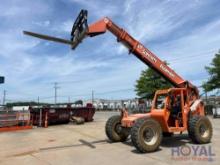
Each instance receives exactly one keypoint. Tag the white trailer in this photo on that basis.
(216, 111)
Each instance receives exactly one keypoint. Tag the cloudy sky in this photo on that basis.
(183, 32)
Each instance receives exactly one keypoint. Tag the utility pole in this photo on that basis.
(4, 97)
(69, 99)
(38, 102)
(55, 92)
(92, 97)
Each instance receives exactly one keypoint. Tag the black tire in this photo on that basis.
(143, 128)
(200, 129)
(114, 131)
(168, 134)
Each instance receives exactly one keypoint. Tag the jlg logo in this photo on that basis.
(166, 70)
(148, 55)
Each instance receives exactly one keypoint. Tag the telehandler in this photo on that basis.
(173, 110)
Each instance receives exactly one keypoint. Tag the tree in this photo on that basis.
(149, 82)
(214, 72)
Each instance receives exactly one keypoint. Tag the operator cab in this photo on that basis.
(168, 107)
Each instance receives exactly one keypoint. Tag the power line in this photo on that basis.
(70, 82)
(87, 94)
(190, 57)
(114, 91)
(97, 93)
(204, 53)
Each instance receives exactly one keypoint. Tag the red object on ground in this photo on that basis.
(60, 115)
(15, 128)
(50, 115)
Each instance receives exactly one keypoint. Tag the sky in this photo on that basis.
(185, 33)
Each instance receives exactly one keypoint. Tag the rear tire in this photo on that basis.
(200, 129)
(114, 131)
(146, 135)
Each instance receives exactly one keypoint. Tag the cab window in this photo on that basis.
(160, 101)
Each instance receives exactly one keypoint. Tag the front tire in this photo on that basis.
(200, 129)
(146, 135)
(114, 131)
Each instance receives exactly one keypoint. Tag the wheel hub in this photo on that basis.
(118, 128)
(203, 130)
(149, 136)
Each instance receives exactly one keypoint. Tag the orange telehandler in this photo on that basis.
(173, 110)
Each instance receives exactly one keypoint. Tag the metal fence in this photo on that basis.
(10, 118)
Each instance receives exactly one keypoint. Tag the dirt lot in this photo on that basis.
(87, 144)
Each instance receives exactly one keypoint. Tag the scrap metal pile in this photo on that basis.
(50, 115)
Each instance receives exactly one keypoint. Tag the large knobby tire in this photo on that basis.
(114, 131)
(146, 135)
(200, 129)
